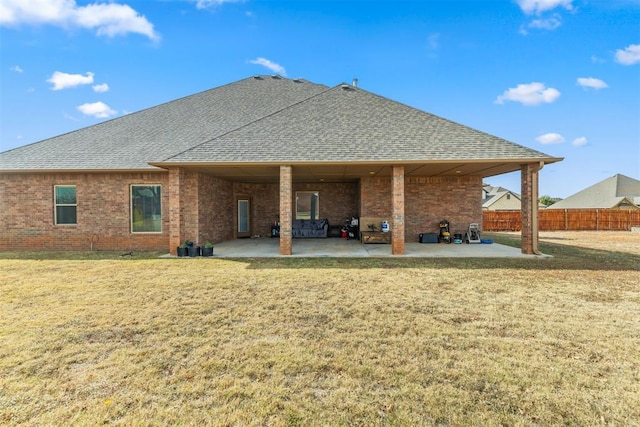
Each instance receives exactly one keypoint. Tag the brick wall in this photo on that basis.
(337, 200)
(103, 212)
(190, 204)
(375, 197)
(427, 201)
(398, 210)
(529, 211)
(208, 207)
(175, 208)
(201, 208)
(285, 203)
(215, 210)
(264, 205)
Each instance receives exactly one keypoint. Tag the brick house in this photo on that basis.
(499, 199)
(227, 162)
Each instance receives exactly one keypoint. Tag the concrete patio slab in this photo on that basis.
(337, 248)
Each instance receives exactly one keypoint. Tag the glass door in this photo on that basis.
(244, 218)
(307, 205)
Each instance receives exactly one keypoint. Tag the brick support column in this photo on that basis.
(286, 209)
(397, 211)
(529, 181)
(176, 208)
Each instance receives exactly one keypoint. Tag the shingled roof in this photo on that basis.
(132, 141)
(270, 120)
(494, 194)
(618, 190)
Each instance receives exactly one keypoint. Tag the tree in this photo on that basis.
(546, 200)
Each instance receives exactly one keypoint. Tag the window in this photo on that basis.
(146, 209)
(307, 205)
(65, 205)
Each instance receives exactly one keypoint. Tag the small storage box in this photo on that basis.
(428, 237)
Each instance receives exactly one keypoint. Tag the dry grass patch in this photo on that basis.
(619, 241)
(320, 341)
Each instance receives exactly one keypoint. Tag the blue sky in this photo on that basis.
(559, 76)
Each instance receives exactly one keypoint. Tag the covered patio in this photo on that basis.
(343, 248)
(411, 195)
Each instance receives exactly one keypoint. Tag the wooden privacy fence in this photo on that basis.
(564, 220)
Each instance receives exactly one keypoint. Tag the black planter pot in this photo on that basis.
(182, 251)
(207, 251)
(194, 251)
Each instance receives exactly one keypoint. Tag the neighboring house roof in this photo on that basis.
(494, 194)
(270, 119)
(610, 193)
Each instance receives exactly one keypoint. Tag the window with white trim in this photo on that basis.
(65, 205)
(146, 208)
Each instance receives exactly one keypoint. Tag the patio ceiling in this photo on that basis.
(346, 172)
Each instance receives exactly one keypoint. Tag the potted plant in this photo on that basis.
(207, 249)
(192, 249)
(183, 248)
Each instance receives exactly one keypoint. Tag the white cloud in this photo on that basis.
(114, 19)
(534, 93)
(108, 19)
(550, 138)
(579, 142)
(210, 4)
(629, 55)
(98, 109)
(62, 80)
(548, 24)
(276, 68)
(16, 69)
(592, 83)
(101, 88)
(539, 6)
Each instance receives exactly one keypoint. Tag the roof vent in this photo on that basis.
(298, 81)
(257, 77)
(345, 86)
(275, 76)
(355, 83)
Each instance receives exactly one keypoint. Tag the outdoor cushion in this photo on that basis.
(310, 228)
